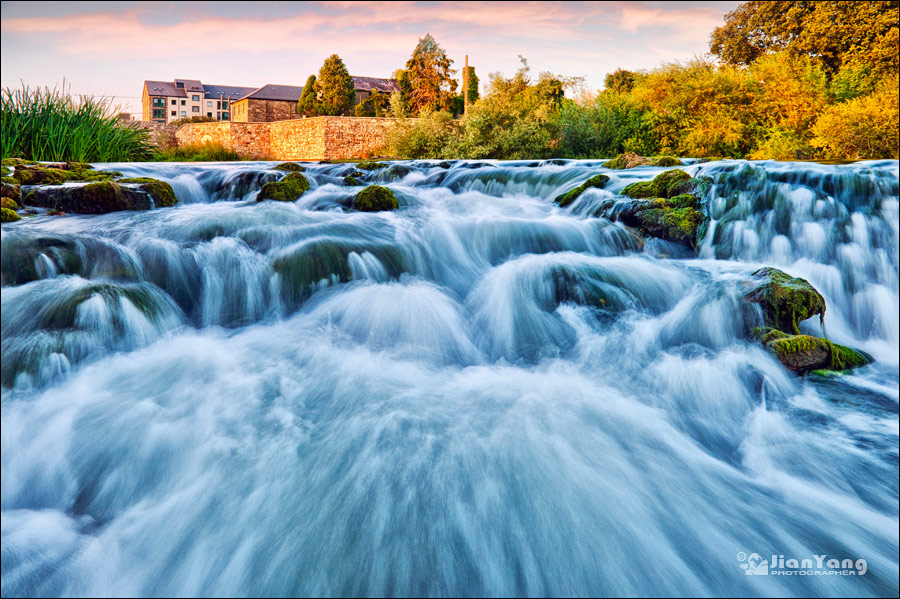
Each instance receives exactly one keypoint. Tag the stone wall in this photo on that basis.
(318, 138)
(249, 139)
(161, 134)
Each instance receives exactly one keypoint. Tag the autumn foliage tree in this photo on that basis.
(428, 78)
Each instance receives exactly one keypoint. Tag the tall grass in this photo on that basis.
(49, 124)
(211, 152)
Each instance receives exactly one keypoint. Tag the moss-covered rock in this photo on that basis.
(627, 160)
(680, 219)
(375, 198)
(667, 161)
(288, 189)
(99, 197)
(804, 353)
(59, 173)
(161, 192)
(785, 301)
(632, 160)
(9, 203)
(291, 167)
(570, 196)
(372, 165)
(8, 216)
(10, 190)
(13, 162)
(664, 185)
(351, 181)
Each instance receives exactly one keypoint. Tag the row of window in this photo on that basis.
(161, 102)
(161, 113)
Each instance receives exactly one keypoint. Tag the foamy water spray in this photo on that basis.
(478, 394)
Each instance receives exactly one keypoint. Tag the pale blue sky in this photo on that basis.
(109, 48)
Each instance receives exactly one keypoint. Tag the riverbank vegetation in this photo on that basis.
(784, 80)
(51, 125)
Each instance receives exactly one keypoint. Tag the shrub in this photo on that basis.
(50, 125)
(213, 152)
(865, 127)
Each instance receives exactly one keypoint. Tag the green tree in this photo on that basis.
(836, 34)
(472, 85)
(620, 81)
(429, 76)
(308, 104)
(334, 88)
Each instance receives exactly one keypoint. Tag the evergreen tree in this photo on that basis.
(308, 104)
(334, 88)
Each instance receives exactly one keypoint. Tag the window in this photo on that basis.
(209, 114)
(224, 116)
(224, 105)
(173, 113)
(174, 102)
(159, 102)
(208, 104)
(184, 102)
(195, 109)
(183, 113)
(195, 98)
(159, 114)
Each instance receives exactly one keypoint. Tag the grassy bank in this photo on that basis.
(50, 125)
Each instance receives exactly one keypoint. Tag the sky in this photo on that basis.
(110, 48)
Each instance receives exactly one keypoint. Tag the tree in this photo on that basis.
(429, 76)
(620, 81)
(472, 85)
(836, 34)
(308, 105)
(334, 88)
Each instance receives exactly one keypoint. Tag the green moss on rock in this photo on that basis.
(10, 203)
(162, 193)
(291, 167)
(375, 198)
(805, 353)
(351, 181)
(8, 216)
(288, 189)
(785, 301)
(627, 160)
(598, 181)
(667, 161)
(10, 190)
(372, 165)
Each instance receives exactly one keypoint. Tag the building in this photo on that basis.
(267, 104)
(164, 101)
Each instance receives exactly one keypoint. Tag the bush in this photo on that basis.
(865, 127)
(198, 153)
(429, 136)
(50, 125)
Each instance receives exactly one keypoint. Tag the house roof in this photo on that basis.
(191, 85)
(163, 88)
(286, 93)
(368, 84)
(228, 91)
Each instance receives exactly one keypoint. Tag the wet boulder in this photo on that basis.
(632, 160)
(59, 173)
(598, 181)
(291, 167)
(10, 190)
(372, 165)
(93, 198)
(351, 181)
(160, 192)
(785, 301)
(9, 203)
(803, 353)
(680, 219)
(668, 184)
(375, 198)
(288, 189)
(8, 215)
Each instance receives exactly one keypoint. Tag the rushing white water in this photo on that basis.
(478, 394)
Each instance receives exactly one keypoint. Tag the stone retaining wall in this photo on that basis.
(317, 138)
